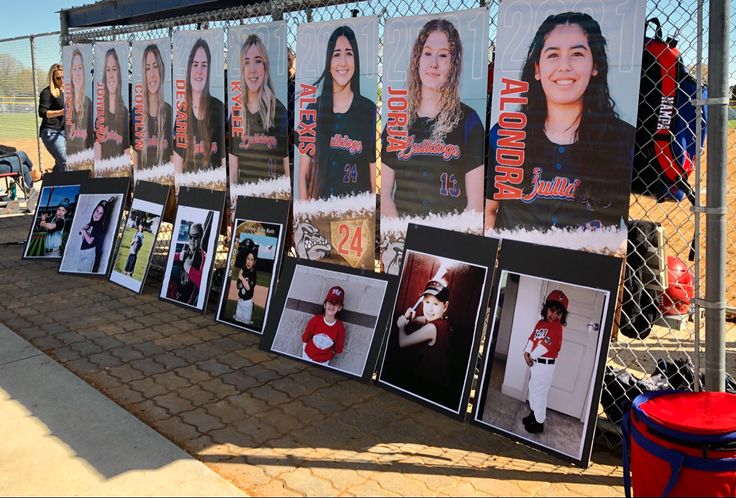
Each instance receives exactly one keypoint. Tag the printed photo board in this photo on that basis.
(561, 145)
(55, 211)
(193, 246)
(112, 109)
(152, 111)
(329, 315)
(94, 231)
(199, 121)
(254, 262)
(434, 107)
(78, 109)
(130, 266)
(434, 334)
(550, 327)
(335, 141)
(258, 158)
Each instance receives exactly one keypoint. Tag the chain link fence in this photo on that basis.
(674, 343)
(24, 64)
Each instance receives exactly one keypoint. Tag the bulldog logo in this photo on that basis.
(310, 244)
(392, 254)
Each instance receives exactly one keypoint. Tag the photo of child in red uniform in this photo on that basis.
(540, 354)
(324, 336)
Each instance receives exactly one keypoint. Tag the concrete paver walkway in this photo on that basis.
(268, 424)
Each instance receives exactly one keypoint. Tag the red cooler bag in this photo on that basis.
(679, 443)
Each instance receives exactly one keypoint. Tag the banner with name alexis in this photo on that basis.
(434, 100)
(336, 141)
(561, 145)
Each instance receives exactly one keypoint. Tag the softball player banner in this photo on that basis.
(258, 158)
(152, 111)
(563, 122)
(79, 111)
(199, 122)
(335, 135)
(112, 118)
(434, 95)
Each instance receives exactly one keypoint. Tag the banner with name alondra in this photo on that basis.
(434, 101)
(152, 111)
(561, 144)
(199, 120)
(112, 116)
(335, 141)
(258, 158)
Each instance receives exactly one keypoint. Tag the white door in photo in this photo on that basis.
(576, 360)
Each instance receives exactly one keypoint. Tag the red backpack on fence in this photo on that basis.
(666, 141)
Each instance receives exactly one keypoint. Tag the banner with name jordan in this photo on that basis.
(561, 145)
(434, 107)
(112, 116)
(336, 141)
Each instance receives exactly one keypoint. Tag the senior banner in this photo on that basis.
(335, 135)
(199, 123)
(112, 116)
(434, 103)
(566, 83)
(79, 111)
(152, 111)
(258, 157)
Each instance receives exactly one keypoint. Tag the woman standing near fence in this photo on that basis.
(155, 147)
(51, 111)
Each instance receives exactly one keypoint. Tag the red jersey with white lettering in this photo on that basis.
(549, 335)
(323, 341)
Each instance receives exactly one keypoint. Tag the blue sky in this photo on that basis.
(36, 16)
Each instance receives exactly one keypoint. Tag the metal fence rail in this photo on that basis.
(677, 340)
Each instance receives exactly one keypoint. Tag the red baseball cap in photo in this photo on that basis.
(335, 295)
(560, 297)
(437, 288)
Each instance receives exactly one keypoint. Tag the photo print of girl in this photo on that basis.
(191, 254)
(252, 268)
(547, 342)
(139, 238)
(335, 135)
(433, 328)
(199, 124)
(112, 119)
(53, 221)
(562, 139)
(152, 111)
(258, 159)
(434, 94)
(79, 113)
(92, 235)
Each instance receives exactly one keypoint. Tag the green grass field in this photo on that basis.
(143, 254)
(18, 125)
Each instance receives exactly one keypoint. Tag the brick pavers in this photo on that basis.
(270, 425)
